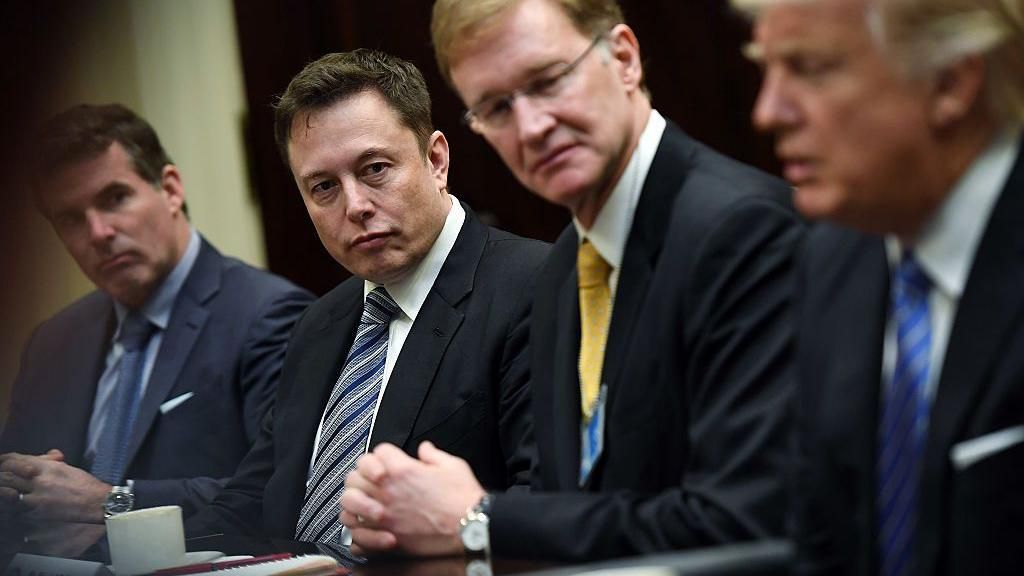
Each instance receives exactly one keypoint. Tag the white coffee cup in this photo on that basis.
(142, 541)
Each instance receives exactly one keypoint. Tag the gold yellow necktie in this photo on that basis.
(595, 313)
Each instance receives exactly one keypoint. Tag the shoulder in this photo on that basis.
(94, 307)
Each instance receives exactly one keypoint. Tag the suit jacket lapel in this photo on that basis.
(324, 349)
(853, 360)
(436, 324)
(646, 237)
(992, 297)
(186, 323)
(74, 411)
(566, 411)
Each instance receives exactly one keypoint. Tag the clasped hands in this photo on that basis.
(58, 507)
(393, 502)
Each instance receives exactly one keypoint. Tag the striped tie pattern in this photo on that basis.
(904, 421)
(346, 427)
(111, 458)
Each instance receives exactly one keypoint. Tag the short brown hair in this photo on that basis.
(457, 22)
(86, 131)
(335, 77)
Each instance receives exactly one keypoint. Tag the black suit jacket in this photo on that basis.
(460, 382)
(697, 365)
(972, 520)
(224, 344)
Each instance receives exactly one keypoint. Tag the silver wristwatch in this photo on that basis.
(121, 499)
(474, 528)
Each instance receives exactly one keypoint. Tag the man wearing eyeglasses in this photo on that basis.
(661, 335)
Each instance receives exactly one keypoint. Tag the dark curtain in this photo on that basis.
(691, 52)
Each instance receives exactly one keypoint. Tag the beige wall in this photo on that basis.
(177, 64)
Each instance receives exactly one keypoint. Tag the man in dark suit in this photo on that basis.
(660, 382)
(900, 123)
(86, 439)
(355, 129)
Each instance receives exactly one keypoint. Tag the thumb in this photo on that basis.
(430, 454)
(54, 454)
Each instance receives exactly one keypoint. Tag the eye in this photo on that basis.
(320, 189)
(497, 109)
(811, 66)
(375, 168)
(546, 86)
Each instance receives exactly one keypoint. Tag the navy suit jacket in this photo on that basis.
(224, 343)
(461, 381)
(697, 365)
(972, 519)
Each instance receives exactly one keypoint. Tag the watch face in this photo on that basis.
(474, 536)
(118, 503)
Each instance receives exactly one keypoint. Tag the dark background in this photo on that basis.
(693, 64)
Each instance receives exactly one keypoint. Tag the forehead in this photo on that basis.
(80, 182)
(521, 41)
(360, 122)
(790, 25)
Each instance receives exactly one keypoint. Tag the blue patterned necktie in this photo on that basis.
(904, 422)
(346, 426)
(111, 458)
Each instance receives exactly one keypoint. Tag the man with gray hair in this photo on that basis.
(899, 121)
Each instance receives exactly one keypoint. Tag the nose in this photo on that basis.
(100, 229)
(775, 109)
(533, 121)
(358, 205)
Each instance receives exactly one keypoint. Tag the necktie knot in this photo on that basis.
(379, 307)
(910, 276)
(135, 331)
(592, 269)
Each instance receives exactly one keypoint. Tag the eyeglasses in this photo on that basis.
(494, 113)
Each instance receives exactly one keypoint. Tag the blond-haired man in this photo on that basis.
(900, 122)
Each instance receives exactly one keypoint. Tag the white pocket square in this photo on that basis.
(175, 402)
(968, 452)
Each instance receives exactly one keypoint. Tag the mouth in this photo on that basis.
(553, 158)
(116, 261)
(370, 240)
(798, 169)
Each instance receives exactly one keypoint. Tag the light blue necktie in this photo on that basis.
(111, 458)
(346, 427)
(904, 422)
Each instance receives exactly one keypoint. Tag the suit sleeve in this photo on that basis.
(238, 509)
(515, 425)
(732, 353)
(259, 370)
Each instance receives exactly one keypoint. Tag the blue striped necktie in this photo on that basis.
(346, 426)
(111, 459)
(904, 422)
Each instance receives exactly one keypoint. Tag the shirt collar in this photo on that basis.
(611, 227)
(159, 306)
(412, 289)
(946, 248)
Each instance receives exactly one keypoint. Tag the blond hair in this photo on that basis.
(456, 23)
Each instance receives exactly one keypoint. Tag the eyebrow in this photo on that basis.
(368, 153)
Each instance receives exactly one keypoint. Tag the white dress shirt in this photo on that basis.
(613, 223)
(947, 247)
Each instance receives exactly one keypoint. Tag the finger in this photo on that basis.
(370, 540)
(390, 454)
(22, 465)
(15, 482)
(357, 503)
(54, 454)
(371, 468)
(431, 454)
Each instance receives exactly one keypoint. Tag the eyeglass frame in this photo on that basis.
(471, 116)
